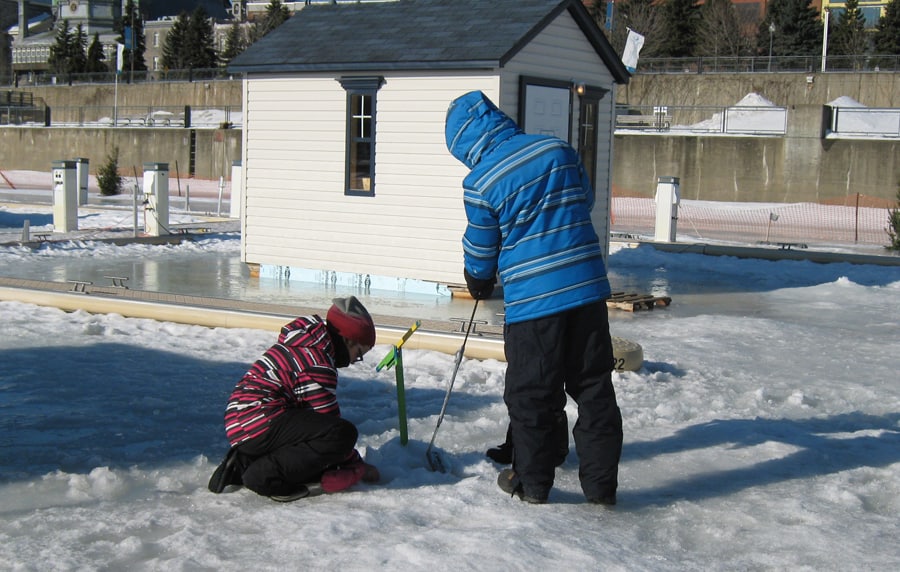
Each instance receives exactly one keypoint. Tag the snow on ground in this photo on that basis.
(762, 433)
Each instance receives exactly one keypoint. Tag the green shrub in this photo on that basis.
(893, 228)
(108, 178)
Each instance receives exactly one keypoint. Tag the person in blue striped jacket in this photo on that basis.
(528, 204)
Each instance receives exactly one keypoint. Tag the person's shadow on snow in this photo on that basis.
(821, 446)
(76, 408)
(16, 220)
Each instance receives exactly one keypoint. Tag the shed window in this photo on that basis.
(360, 150)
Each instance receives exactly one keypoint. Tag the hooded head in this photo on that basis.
(352, 321)
(474, 125)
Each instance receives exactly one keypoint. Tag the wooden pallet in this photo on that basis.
(631, 302)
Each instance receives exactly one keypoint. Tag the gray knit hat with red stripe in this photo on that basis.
(351, 320)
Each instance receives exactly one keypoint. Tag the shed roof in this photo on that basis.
(414, 35)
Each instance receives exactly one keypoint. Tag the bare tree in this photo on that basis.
(642, 17)
(721, 32)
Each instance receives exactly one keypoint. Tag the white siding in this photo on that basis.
(296, 213)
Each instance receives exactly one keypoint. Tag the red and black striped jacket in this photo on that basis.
(298, 371)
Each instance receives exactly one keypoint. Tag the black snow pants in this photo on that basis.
(296, 449)
(547, 358)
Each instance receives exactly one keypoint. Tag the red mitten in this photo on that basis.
(350, 472)
(335, 480)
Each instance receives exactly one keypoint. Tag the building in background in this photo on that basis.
(872, 10)
(35, 30)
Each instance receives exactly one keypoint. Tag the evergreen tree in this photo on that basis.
(200, 41)
(720, 31)
(190, 43)
(276, 15)
(108, 178)
(61, 49)
(95, 57)
(680, 19)
(797, 30)
(847, 36)
(235, 43)
(173, 54)
(887, 33)
(79, 51)
(893, 227)
(133, 57)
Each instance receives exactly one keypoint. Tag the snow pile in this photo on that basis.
(845, 101)
(754, 100)
(761, 116)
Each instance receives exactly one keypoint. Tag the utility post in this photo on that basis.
(771, 36)
(131, 46)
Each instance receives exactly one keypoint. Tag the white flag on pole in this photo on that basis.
(120, 56)
(633, 46)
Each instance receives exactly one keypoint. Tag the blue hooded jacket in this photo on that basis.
(528, 202)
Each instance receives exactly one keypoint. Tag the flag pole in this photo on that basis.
(120, 53)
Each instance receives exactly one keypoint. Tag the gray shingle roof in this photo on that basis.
(413, 34)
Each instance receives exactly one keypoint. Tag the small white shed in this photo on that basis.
(346, 177)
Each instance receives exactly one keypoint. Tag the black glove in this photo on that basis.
(480, 289)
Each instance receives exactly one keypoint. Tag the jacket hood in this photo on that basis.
(474, 126)
(303, 331)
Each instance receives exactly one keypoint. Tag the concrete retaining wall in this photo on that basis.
(757, 169)
(785, 89)
(179, 94)
(35, 148)
(799, 167)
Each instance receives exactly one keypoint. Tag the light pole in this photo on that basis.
(771, 35)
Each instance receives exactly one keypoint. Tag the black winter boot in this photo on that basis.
(509, 482)
(502, 453)
(227, 473)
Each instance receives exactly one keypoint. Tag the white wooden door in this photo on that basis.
(547, 111)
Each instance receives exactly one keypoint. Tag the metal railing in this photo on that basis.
(16, 115)
(698, 64)
(764, 64)
(49, 78)
(10, 98)
(865, 121)
(736, 120)
(124, 116)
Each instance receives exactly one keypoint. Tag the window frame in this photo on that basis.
(360, 87)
